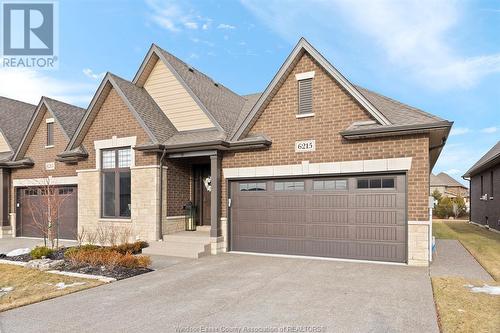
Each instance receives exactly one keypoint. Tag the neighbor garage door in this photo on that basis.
(349, 217)
(32, 207)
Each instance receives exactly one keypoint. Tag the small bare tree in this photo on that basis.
(46, 211)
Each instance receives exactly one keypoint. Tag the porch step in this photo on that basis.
(186, 244)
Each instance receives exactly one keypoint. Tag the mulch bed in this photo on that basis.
(118, 273)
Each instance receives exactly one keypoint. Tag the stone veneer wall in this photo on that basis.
(418, 244)
(144, 201)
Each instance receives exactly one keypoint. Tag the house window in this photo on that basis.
(115, 179)
(330, 185)
(252, 187)
(376, 183)
(289, 186)
(305, 96)
(50, 134)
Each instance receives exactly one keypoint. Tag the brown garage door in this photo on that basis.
(350, 217)
(32, 206)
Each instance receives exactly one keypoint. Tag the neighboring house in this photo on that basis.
(484, 177)
(312, 166)
(14, 119)
(448, 186)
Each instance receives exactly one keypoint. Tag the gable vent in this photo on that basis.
(305, 96)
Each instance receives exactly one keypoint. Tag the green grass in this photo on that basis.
(483, 244)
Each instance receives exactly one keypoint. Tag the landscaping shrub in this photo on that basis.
(106, 257)
(133, 248)
(41, 251)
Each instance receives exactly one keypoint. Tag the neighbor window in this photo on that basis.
(252, 187)
(289, 186)
(376, 183)
(115, 165)
(339, 184)
(50, 134)
(305, 96)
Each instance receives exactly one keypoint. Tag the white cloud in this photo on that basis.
(413, 35)
(453, 172)
(459, 131)
(29, 86)
(95, 76)
(191, 25)
(489, 130)
(174, 16)
(226, 26)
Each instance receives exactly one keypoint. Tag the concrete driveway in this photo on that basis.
(233, 290)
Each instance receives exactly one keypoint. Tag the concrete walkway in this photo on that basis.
(233, 290)
(452, 259)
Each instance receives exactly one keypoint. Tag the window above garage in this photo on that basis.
(289, 186)
(252, 187)
(330, 184)
(376, 182)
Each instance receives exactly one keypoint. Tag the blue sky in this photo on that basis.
(440, 56)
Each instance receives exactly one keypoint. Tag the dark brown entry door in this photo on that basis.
(201, 195)
(32, 206)
(349, 217)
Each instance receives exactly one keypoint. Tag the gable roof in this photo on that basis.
(219, 103)
(443, 179)
(492, 157)
(67, 117)
(14, 119)
(140, 103)
(302, 47)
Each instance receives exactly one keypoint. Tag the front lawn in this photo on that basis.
(461, 310)
(21, 286)
(483, 244)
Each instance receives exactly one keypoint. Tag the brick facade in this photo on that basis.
(334, 111)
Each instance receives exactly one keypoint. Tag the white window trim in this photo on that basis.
(306, 168)
(304, 115)
(304, 76)
(73, 180)
(114, 142)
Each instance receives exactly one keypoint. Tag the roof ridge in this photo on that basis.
(197, 70)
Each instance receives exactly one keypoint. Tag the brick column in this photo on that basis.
(4, 197)
(215, 175)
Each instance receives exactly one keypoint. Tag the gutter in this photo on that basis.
(394, 130)
(215, 145)
(26, 163)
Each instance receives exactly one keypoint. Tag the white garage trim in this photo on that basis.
(307, 169)
(73, 180)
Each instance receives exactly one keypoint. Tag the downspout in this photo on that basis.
(160, 195)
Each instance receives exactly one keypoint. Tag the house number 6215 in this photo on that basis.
(306, 145)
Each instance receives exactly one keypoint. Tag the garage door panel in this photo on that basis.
(328, 232)
(381, 234)
(364, 223)
(327, 201)
(251, 202)
(329, 216)
(378, 251)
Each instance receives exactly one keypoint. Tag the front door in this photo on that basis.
(201, 195)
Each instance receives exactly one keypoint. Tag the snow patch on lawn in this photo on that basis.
(62, 285)
(5, 290)
(18, 252)
(491, 290)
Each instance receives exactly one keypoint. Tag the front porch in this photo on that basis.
(190, 178)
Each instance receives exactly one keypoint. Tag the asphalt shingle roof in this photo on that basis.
(491, 155)
(150, 113)
(68, 115)
(443, 179)
(223, 104)
(14, 119)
